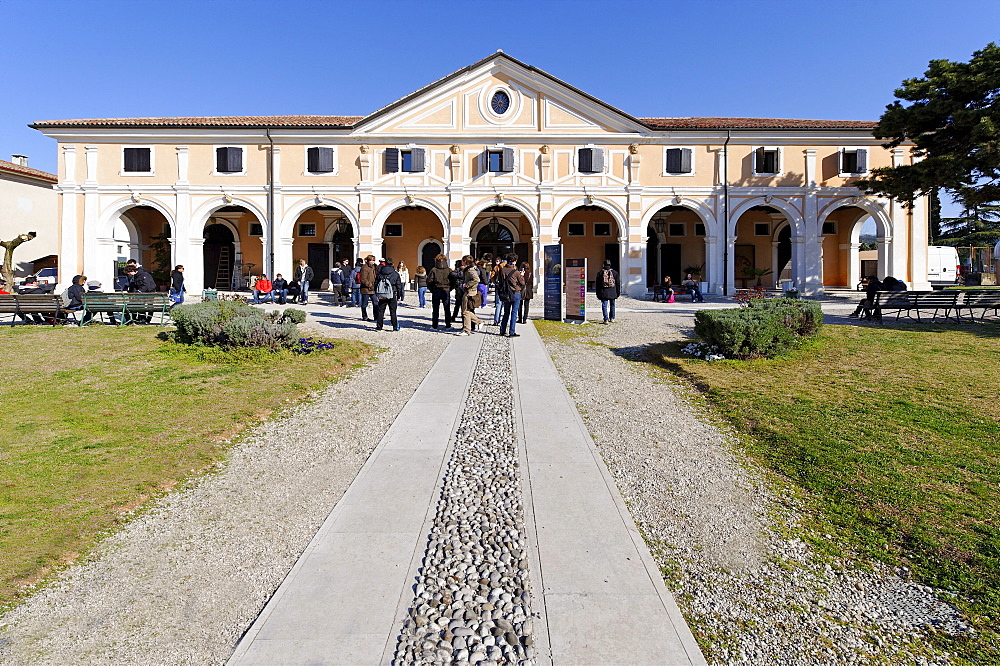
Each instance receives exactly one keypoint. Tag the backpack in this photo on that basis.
(608, 278)
(504, 291)
(383, 288)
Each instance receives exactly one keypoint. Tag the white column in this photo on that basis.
(91, 211)
(854, 263)
(713, 266)
(283, 257)
(898, 246)
(194, 266)
(810, 278)
(69, 254)
(919, 233)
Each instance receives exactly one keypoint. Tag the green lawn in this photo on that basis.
(98, 420)
(894, 434)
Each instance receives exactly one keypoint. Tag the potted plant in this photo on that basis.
(757, 273)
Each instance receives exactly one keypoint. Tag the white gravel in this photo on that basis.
(722, 530)
(183, 581)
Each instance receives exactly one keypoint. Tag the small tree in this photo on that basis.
(7, 269)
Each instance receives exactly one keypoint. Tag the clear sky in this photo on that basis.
(838, 59)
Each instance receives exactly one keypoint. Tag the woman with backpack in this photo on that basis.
(388, 289)
(355, 282)
(609, 288)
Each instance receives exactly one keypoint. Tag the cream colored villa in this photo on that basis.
(497, 156)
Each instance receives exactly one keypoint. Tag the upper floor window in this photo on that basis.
(766, 161)
(319, 159)
(137, 160)
(500, 160)
(410, 160)
(853, 160)
(678, 160)
(229, 159)
(590, 160)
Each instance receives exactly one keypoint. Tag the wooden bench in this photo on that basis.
(660, 297)
(915, 303)
(985, 300)
(49, 306)
(125, 306)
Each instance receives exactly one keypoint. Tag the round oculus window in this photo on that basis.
(500, 102)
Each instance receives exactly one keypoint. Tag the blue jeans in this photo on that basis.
(268, 295)
(280, 295)
(365, 300)
(356, 296)
(498, 308)
(604, 309)
(304, 292)
(422, 295)
(510, 313)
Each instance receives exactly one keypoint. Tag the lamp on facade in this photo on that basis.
(659, 224)
(494, 226)
(341, 226)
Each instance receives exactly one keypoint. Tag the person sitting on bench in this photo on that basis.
(263, 288)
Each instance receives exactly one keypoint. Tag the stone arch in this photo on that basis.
(792, 214)
(106, 223)
(519, 206)
(287, 224)
(883, 223)
(378, 223)
(621, 219)
(515, 232)
(699, 207)
(200, 217)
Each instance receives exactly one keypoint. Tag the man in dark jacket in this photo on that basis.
(609, 287)
(279, 287)
(387, 274)
(455, 279)
(30, 286)
(439, 282)
(303, 274)
(140, 281)
(337, 287)
(510, 286)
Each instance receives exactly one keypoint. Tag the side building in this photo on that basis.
(29, 202)
(498, 156)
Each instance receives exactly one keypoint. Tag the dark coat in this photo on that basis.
(529, 285)
(75, 293)
(513, 278)
(142, 282)
(394, 279)
(607, 293)
(279, 283)
(438, 277)
(368, 274)
(304, 274)
(177, 282)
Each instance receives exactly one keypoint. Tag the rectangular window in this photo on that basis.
(137, 160)
(766, 161)
(307, 230)
(602, 229)
(591, 160)
(678, 160)
(699, 229)
(500, 161)
(853, 160)
(829, 228)
(393, 231)
(257, 229)
(319, 160)
(576, 229)
(762, 229)
(677, 229)
(229, 160)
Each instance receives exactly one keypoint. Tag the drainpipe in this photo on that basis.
(725, 213)
(270, 202)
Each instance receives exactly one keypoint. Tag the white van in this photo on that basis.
(942, 266)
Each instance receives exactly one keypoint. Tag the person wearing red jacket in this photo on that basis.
(263, 288)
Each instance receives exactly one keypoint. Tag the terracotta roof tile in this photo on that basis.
(208, 121)
(10, 167)
(756, 123)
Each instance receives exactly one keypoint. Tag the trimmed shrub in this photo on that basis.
(765, 329)
(294, 316)
(232, 324)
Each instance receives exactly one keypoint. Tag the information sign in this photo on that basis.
(552, 282)
(576, 290)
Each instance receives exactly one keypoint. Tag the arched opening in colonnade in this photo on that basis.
(591, 233)
(846, 256)
(142, 233)
(762, 251)
(499, 230)
(675, 246)
(323, 236)
(233, 249)
(410, 234)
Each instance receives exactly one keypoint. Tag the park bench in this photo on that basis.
(127, 306)
(985, 300)
(49, 306)
(660, 296)
(915, 303)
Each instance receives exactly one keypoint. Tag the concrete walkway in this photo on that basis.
(596, 587)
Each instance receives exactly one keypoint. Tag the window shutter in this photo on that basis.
(597, 160)
(137, 160)
(862, 160)
(507, 160)
(391, 160)
(417, 160)
(685, 160)
(759, 161)
(229, 160)
(585, 160)
(312, 159)
(320, 160)
(673, 160)
(845, 166)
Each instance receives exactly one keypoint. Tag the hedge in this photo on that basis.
(764, 329)
(232, 324)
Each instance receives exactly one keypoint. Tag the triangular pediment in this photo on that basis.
(530, 101)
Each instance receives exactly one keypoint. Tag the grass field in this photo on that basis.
(894, 434)
(98, 420)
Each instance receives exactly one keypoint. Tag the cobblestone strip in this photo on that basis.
(472, 592)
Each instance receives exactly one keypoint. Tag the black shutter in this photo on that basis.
(417, 160)
(312, 159)
(759, 166)
(585, 160)
(862, 164)
(320, 160)
(673, 160)
(229, 160)
(137, 160)
(685, 160)
(391, 160)
(507, 160)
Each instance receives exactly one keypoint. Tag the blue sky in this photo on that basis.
(802, 59)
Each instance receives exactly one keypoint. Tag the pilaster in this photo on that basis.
(454, 246)
(69, 252)
(91, 210)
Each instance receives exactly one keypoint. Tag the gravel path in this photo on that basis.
(752, 592)
(181, 583)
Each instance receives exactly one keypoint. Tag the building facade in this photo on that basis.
(29, 202)
(495, 157)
